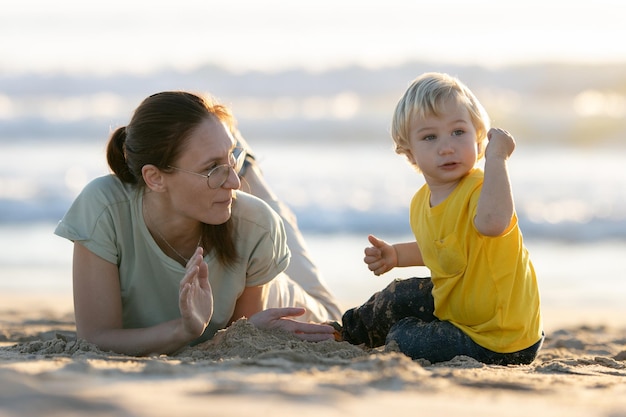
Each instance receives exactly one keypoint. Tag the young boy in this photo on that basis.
(482, 300)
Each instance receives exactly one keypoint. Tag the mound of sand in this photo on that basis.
(581, 371)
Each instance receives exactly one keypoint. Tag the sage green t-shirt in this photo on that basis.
(107, 219)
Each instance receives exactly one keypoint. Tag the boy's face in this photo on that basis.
(444, 147)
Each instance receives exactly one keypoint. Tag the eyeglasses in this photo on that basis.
(217, 176)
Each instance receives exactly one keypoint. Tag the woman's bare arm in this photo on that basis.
(98, 311)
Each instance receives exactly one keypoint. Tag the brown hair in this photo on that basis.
(156, 135)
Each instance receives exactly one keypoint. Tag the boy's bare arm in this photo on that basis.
(495, 206)
(409, 254)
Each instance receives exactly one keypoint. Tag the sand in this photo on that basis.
(44, 370)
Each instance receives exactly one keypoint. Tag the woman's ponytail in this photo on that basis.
(116, 156)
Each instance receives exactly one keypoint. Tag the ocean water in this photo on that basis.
(571, 203)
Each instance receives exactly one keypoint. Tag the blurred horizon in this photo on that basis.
(541, 103)
(550, 73)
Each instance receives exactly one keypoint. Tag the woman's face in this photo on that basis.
(210, 145)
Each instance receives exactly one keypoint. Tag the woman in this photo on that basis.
(166, 250)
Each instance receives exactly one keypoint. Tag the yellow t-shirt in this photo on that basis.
(486, 286)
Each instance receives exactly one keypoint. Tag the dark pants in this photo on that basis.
(404, 313)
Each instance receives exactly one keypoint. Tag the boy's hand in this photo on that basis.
(501, 144)
(381, 257)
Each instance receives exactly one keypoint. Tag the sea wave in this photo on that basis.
(345, 188)
(345, 220)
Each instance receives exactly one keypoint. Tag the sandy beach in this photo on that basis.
(44, 370)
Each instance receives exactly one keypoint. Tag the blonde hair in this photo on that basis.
(426, 96)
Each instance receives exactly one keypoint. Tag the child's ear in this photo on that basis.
(480, 148)
(412, 161)
(409, 156)
(153, 177)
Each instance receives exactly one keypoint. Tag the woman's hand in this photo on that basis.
(195, 297)
(276, 318)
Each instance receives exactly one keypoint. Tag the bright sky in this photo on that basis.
(138, 36)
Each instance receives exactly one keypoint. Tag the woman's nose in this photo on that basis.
(233, 181)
